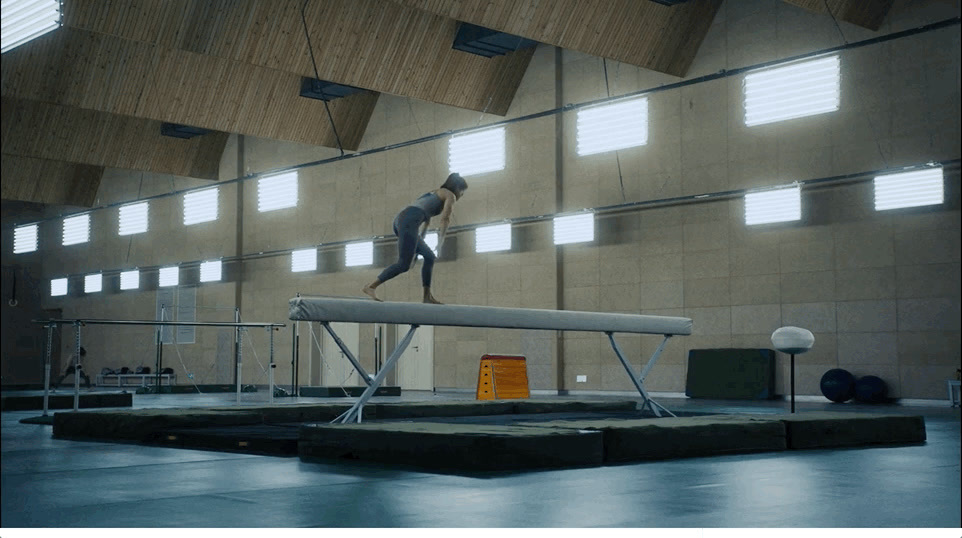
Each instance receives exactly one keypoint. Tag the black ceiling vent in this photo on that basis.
(486, 42)
(324, 90)
(181, 131)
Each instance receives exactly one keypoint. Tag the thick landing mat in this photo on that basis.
(827, 429)
(144, 424)
(346, 392)
(270, 439)
(453, 446)
(480, 446)
(64, 400)
(680, 437)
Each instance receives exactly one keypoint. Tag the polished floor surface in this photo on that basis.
(49, 482)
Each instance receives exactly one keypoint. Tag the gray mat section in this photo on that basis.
(453, 446)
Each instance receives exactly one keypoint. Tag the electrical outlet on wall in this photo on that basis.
(582, 379)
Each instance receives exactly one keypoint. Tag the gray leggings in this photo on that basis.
(406, 226)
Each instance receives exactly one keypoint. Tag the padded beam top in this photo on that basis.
(351, 310)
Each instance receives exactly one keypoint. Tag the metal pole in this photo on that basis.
(239, 342)
(46, 369)
(270, 373)
(76, 369)
(347, 353)
(294, 359)
(793, 383)
(356, 411)
(160, 343)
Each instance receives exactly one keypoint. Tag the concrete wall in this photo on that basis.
(879, 290)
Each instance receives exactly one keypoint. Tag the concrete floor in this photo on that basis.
(55, 483)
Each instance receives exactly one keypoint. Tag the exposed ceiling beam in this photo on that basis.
(53, 132)
(43, 181)
(77, 68)
(647, 34)
(865, 13)
(373, 44)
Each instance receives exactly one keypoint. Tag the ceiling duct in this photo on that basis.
(486, 42)
(176, 130)
(326, 91)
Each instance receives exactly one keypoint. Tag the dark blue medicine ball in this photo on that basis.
(871, 389)
(838, 385)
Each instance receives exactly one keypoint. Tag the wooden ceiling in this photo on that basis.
(92, 95)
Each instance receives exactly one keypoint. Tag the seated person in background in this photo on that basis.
(72, 370)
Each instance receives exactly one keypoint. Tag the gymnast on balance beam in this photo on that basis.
(410, 226)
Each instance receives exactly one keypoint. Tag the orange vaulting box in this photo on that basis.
(503, 377)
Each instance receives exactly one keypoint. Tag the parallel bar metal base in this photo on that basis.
(638, 380)
(354, 413)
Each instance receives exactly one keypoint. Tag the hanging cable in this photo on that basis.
(317, 76)
(868, 116)
(621, 179)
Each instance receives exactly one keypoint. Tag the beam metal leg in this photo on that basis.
(347, 353)
(638, 381)
(354, 413)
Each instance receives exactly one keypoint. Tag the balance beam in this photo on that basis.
(342, 309)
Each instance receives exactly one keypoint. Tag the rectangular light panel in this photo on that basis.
(25, 238)
(909, 189)
(304, 260)
(574, 228)
(615, 126)
(210, 271)
(130, 280)
(94, 283)
(277, 192)
(58, 287)
(25, 20)
(133, 218)
(778, 205)
(493, 238)
(76, 229)
(477, 153)
(356, 254)
(200, 206)
(169, 276)
(793, 91)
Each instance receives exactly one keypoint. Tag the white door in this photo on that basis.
(415, 368)
(336, 368)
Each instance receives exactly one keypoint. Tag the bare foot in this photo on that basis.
(369, 291)
(431, 300)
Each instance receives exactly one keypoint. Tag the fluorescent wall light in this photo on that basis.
(574, 228)
(910, 189)
(25, 238)
(777, 205)
(277, 192)
(25, 20)
(304, 260)
(130, 280)
(493, 238)
(610, 127)
(795, 90)
(58, 287)
(76, 229)
(169, 276)
(210, 271)
(200, 206)
(132, 218)
(94, 283)
(477, 153)
(361, 253)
